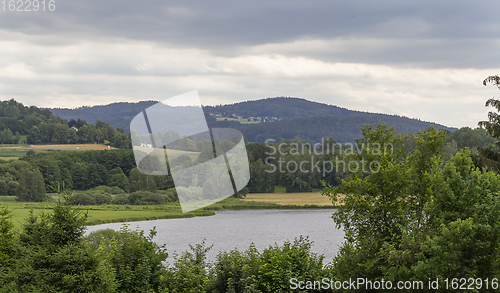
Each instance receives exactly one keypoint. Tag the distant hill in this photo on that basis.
(280, 108)
(296, 117)
(345, 129)
(118, 115)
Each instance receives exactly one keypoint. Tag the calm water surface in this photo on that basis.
(228, 230)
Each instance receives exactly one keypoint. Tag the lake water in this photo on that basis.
(229, 229)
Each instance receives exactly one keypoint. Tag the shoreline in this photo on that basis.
(210, 211)
(102, 214)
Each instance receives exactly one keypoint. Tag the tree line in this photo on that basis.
(17, 119)
(41, 126)
(105, 176)
(62, 133)
(278, 162)
(293, 164)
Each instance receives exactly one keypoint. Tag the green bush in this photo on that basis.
(135, 258)
(250, 271)
(110, 190)
(102, 198)
(189, 272)
(120, 199)
(235, 271)
(170, 195)
(114, 195)
(102, 237)
(135, 198)
(279, 264)
(153, 198)
(146, 197)
(82, 199)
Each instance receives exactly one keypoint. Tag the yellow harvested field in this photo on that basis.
(9, 158)
(73, 147)
(305, 198)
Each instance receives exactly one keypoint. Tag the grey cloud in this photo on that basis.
(427, 53)
(90, 52)
(440, 33)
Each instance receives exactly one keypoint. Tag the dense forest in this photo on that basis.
(41, 126)
(17, 119)
(74, 132)
(344, 129)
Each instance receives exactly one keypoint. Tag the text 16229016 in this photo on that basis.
(27, 5)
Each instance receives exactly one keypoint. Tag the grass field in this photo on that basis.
(299, 199)
(12, 153)
(101, 214)
(73, 146)
(173, 153)
(9, 152)
(282, 189)
(20, 210)
(242, 121)
(279, 189)
(126, 213)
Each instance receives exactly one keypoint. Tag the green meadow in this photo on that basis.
(103, 213)
(110, 213)
(12, 152)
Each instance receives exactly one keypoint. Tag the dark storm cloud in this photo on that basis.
(423, 33)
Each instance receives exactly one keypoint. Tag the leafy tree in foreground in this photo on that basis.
(134, 257)
(418, 218)
(249, 271)
(489, 157)
(374, 209)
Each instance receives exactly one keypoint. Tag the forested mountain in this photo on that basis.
(343, 129)
(118, 115)
(297, 117)
(280, 108)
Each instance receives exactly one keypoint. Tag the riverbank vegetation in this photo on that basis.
(114, 213)
(50, 254)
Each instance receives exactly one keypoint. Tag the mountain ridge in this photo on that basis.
(291, 117)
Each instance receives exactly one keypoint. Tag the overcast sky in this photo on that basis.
(421, 59)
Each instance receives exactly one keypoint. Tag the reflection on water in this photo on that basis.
(238, 229)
